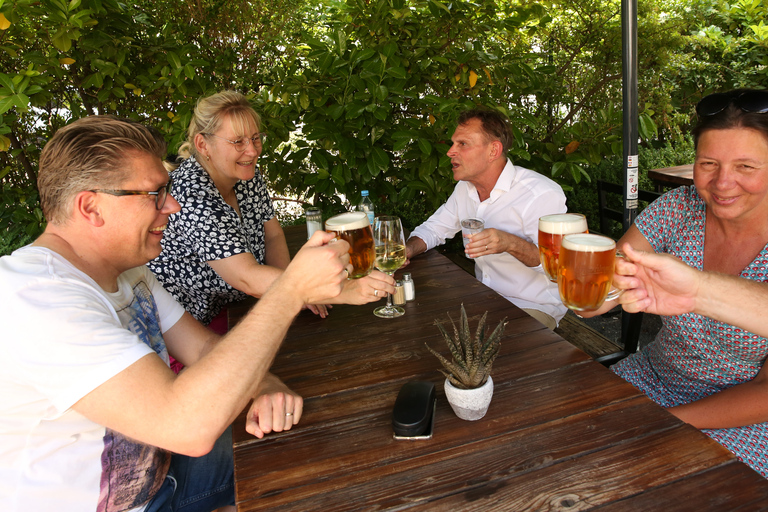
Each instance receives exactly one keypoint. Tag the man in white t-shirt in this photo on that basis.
(91, 416)
(510, 200)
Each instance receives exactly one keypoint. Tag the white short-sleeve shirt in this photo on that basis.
(63, 337)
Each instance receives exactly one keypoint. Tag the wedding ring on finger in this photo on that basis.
(289, 414)
(347, 271)
(375, 292)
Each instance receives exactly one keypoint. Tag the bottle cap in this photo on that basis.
(406, 276)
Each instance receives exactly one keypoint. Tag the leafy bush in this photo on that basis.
(21, 219)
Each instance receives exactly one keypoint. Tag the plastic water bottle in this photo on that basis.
(366, 205)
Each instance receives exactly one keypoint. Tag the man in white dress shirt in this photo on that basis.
(510, 200)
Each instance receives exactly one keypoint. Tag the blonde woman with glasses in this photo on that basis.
(226, 242)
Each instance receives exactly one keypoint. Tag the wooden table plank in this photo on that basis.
(673, 176)
(725, 487)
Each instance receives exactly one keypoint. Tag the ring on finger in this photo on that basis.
(375, 292)
(347, 271)
(289, 414)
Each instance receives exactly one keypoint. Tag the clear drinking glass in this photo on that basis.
(389, 242)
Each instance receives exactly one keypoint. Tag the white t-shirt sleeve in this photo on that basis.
(70, 341)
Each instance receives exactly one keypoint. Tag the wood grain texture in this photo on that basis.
(562, 432)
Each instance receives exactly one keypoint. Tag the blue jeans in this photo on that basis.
(199, 484)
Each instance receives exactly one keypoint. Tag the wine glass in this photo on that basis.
(390, 255)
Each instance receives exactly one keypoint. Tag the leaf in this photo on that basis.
(66, 61)
(397, 72)
(488, 74)
(304, 100)
(173, 60)
(4, 23)
(380, 158)
(7, 82)
(572, 146)
(472, 78)
(5, 143)
(440, 5)
(62, 42)
(425, 146)
(363, 55)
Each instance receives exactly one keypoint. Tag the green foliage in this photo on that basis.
(364, 94)
(21, 219)
(471, 356)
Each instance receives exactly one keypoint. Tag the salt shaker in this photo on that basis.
(410, 289)
(314, 221)
(399, 297)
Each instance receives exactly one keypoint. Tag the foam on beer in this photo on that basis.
(347, 221)
(586, 242)
(563, 224)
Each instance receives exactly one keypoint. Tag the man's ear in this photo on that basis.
(497, 149)
(88, 208)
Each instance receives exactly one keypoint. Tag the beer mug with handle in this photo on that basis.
(552, 229)
(356, 230)
(585, 271)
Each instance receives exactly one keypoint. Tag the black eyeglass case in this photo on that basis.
(414, 412)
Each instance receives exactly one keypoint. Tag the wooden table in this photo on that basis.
(672, 176)
(562, 431)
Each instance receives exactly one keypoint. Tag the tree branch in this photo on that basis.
(580, 105)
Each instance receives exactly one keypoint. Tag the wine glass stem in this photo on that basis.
(389, 295)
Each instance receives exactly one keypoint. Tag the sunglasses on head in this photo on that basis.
(753, 102)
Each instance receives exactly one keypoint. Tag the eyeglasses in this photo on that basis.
(160, 194)
(753, 102)
(241, 144)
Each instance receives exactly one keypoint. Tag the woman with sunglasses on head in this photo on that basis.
(709, 373)
(226, 242)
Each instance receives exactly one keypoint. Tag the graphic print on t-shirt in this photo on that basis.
(133, 472)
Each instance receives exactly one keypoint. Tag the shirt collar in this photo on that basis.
(503, 183)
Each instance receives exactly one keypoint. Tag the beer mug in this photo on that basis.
(585, 271)
(354, 228)
(552, 229)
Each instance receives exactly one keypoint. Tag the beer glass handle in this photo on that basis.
(615, 292)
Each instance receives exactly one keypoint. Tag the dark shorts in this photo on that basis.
(199, 484)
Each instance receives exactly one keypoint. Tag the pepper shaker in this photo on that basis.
(399, 297)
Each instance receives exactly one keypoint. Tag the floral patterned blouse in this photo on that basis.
(694, 356)
(208, 229)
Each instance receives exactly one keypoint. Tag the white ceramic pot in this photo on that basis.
(470, 404)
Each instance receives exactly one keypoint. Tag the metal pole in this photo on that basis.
(629, 69)
(630, 324)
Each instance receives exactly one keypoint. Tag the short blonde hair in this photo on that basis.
(87, 154)
(211, 111)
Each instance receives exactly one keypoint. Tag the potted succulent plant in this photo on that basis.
(468, 382)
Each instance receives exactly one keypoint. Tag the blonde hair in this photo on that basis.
(211, 111)
(88, 154)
